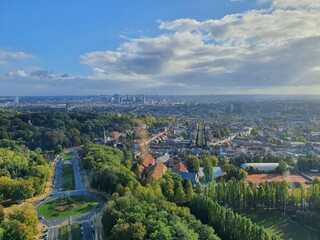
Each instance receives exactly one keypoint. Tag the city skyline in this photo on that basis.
(185, 48)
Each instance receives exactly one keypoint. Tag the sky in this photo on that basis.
(165, 47)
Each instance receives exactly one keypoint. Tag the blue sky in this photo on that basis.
(80, 47)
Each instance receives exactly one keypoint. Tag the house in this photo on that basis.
(147, 162)
(115, 135)
(159, 170)
(193, 177)
(180, 167)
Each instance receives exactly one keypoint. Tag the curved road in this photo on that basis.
(84, 219)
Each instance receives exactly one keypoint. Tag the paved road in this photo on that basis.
(54, 224)
(88, 234)
(57, 177)
(53, 233)
(79, 185)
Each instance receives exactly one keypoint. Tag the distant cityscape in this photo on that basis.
(105, 101)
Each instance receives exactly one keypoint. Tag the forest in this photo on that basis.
(148, 207)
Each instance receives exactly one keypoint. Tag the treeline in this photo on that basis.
(241, 195)
(136, 211)
(53, 131)
(20, 223)
(223, 132)
(23, 173)
(201, 138)
(229, 225)
(308, 162)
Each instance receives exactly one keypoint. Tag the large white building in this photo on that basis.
(261, 166)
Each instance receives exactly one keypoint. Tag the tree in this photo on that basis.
(282, 166)
(150, 120)
(208, 168)
(1, 214)
(179, 196)
(189, 191)
(193, 164)
(58, 149)
(255, 132)
(15, 230)
(137, 231)
(26, 214)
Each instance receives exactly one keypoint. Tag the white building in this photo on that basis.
(261, 166)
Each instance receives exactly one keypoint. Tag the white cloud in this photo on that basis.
(17, 74)
(8, 55)
(307, 4)
(275, 49)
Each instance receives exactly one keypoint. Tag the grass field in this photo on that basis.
(67, 156)
(75, 231)
(67, 178)
(67, 206)
(276, 224)
(64, 233)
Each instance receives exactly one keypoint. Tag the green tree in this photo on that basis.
(25, 214)
(15, 230)
(58, 149)
(1, 213)
(189, 191)
(193, 164)
(179, 196)
(137, 231)
(282, 166)
(208, 168)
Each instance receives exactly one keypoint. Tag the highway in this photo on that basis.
(80, 189)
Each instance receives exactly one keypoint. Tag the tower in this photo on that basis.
(16, 100)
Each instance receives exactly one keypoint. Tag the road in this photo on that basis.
(80, 189)
(53, 233)
(88, 234)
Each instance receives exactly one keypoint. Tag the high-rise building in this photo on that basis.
(16, 100)
(231, 107)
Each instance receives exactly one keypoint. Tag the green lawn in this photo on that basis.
(67, 156)
(75, 231)
(276, 224)
(67, 178)
(67, 206)
(64, 233)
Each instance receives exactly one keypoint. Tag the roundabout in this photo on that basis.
(70, 208)
(67, 206)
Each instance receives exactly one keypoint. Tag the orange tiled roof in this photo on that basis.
(159, 170)
(147, 162)
(180, 167)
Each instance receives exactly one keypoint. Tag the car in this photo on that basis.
(40, 217)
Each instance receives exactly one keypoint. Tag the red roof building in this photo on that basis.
(158, 171)
(180, 167)
(148, 161)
